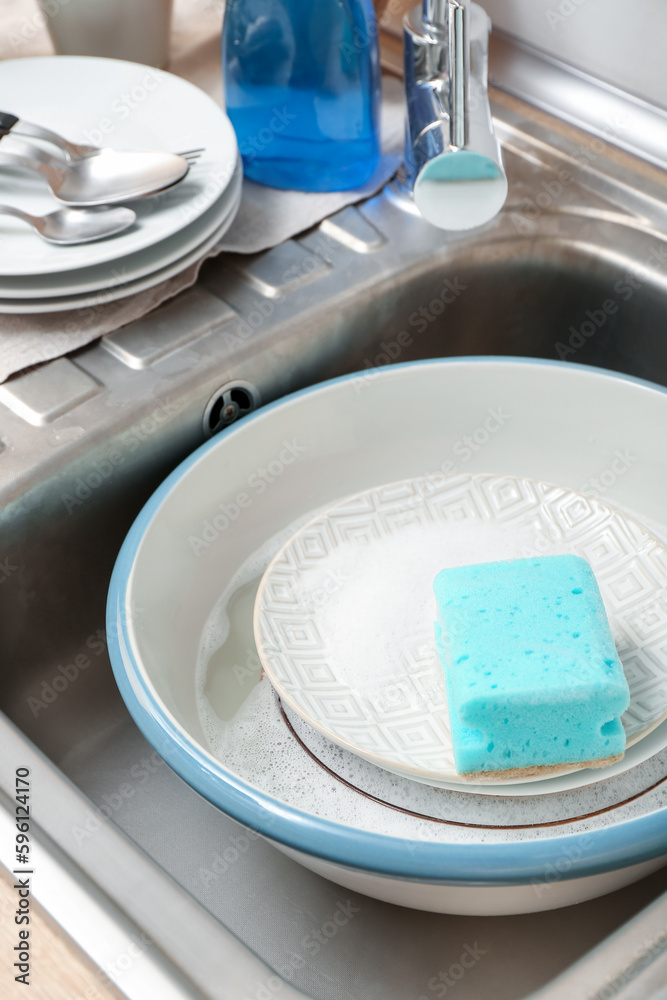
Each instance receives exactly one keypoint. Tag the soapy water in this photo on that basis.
(245, 730)
(381, 611)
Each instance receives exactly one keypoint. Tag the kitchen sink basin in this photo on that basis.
(575, 269)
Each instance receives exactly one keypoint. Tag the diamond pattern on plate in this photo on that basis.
(313, 545)
(657, 559)
(578, 513)
(463, 505)
(608, 546)
(418, 653)
(417, 735)
(369, 737)
(648, 621)
(281, 592)
(362, 532)
(510, 497)
(344, 707)
(404, 723)
(432, 689)
(410, 513)
(314, 673)
(631, 585)
(394, 700)
(394, 494)
(298, 634)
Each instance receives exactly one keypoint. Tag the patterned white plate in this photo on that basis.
(344, 613)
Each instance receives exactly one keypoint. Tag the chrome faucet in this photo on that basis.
(453, 162)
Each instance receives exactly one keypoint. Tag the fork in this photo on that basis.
(72, 150)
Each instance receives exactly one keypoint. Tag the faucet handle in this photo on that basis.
(453, 160)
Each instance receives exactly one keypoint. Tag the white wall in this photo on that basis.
(621, 41)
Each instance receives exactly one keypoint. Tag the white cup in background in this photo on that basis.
(136, 30)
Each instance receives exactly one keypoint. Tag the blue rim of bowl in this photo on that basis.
(536, 862)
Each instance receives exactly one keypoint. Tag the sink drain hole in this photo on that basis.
(228, 404)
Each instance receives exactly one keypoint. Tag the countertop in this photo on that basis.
(59, 971)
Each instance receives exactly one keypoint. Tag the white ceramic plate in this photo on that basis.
(108, 102)
(133, 267)
(112, 293)
(344, 614)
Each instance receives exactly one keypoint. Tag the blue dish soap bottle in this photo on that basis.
(302, 89)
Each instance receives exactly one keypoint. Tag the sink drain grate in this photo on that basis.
(228, 404)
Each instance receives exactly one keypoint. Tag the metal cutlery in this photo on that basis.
(10, 124)
(103, 178)
(67, 226)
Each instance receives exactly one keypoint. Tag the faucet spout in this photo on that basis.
(453, 162)
(458, 72)
(434, 13)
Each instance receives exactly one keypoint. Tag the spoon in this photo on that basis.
(103, 178)
(73, 151)
(67, 226)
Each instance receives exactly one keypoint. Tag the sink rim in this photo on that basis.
(456, 864)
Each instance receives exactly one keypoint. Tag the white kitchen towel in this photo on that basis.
(266, 216)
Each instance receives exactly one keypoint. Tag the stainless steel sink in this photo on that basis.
(129, 859)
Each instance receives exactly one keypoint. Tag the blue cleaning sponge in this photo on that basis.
(532, 674)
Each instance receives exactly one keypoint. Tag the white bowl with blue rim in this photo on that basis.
(181, 641)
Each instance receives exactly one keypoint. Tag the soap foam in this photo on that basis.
(380, 608)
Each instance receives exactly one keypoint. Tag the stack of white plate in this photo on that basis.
(107, 102)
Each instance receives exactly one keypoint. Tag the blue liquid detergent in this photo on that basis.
(302, 89)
